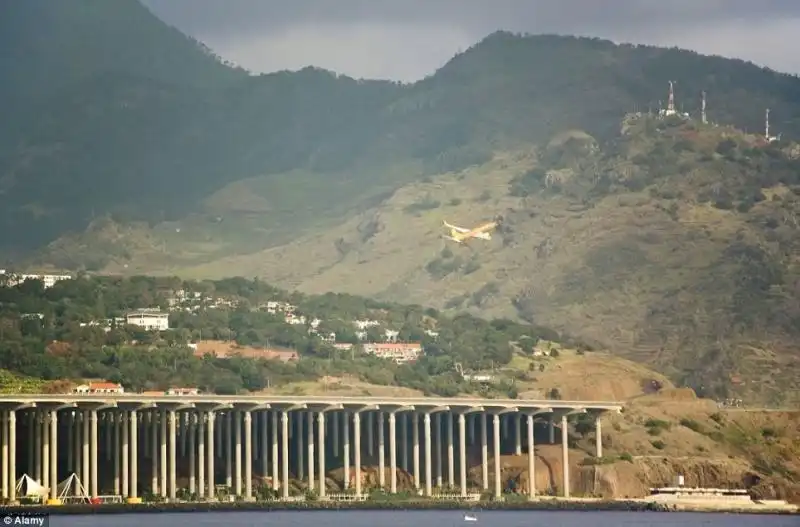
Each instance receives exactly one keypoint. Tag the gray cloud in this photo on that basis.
(408, 39)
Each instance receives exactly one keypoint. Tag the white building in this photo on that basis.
(48, 280)
(99, 387)
(149, 319)
(397, 352)
(181, 391)
(294, 320)
(361, 325)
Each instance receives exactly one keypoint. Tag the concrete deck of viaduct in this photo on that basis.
(108, 438)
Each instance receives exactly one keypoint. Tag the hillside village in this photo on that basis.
(266, 325)
(155, 319)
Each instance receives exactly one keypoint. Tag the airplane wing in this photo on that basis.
(457, 229)
(485, 227)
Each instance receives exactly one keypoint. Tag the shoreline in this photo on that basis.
(309, 506)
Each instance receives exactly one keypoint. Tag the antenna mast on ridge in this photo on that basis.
(671, 101)
(703, 109)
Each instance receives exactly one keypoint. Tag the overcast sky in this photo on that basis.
(409, 39)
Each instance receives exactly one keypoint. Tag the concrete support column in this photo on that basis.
(212, 491)
(274, 431)
(44, 431)
(321, 454)
(36, 430)
(107, 432)
(346, 448)
(565, 453)
(53, 454)
(153, 452)
(298, 419)
(93, 452)
(484, 454)
(192, 453)
(427, 432)
(226, 428)
(76, 445)
(163, 461)
(284, 454)
(335, 434)
(219, 445)
(30, 417)
(4, 432)
(183, 429)
(518, 434)
(68, 422)
(125, 454)
(462, 452)
(551, 431)
(248, 455)
(415, 448)
(357, 450)
(134, 490)
(85, 451)
(598, 438)
(237, 453)
(253, 436)
(451, 476)
(438, 456)
(173, 455)
(116, 424)
(498, 489)
(201, 455)
(310, 441)
(12, 455)
(264, 442)
(393, 453)
(381, 453)
(531, 460)
(370, 433)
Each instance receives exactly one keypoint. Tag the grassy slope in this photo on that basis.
(631, 272)
(11, 383)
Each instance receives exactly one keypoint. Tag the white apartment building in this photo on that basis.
(149, 319)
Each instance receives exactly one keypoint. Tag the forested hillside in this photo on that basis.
(135, 121)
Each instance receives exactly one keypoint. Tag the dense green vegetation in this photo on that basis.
(116, 113)
(41, 336)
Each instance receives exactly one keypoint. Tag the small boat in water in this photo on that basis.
(470, 517)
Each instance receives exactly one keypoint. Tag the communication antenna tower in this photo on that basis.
(766, 124)
(671, 101)
(703, 109)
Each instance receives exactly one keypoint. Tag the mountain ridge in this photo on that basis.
(151, 144)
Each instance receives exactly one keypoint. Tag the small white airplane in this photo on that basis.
(460, 234)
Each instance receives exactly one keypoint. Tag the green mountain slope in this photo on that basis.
(51, 46)
(182, 141)
(674, 244)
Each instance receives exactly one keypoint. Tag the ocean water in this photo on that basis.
(425, 519)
